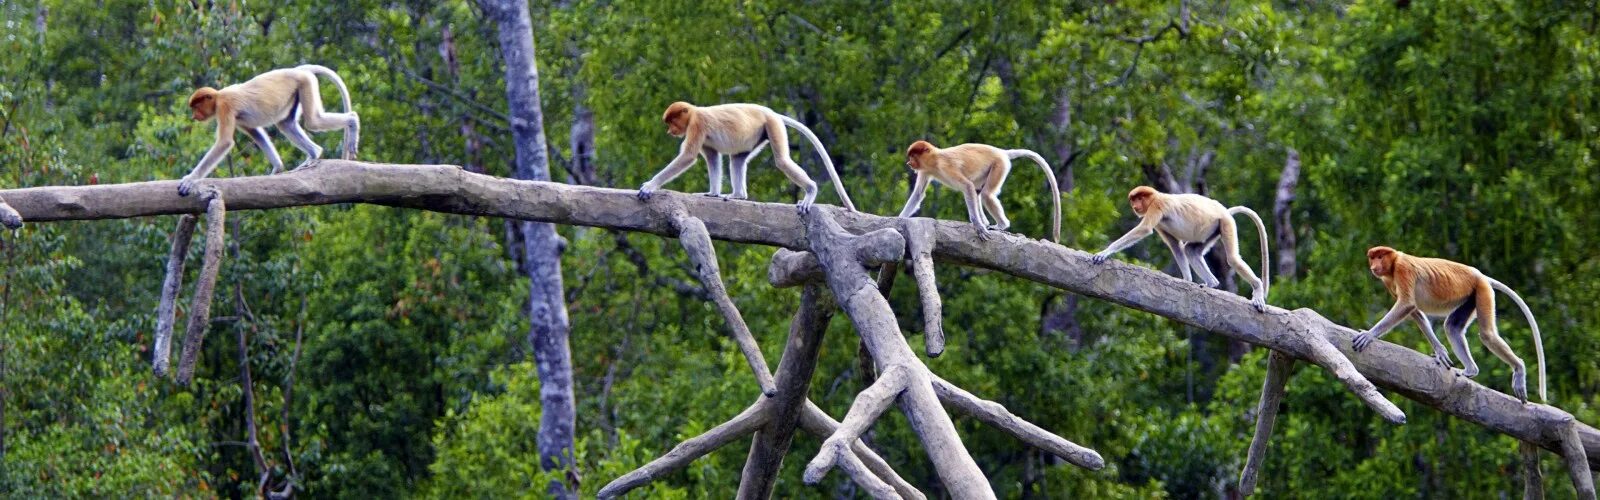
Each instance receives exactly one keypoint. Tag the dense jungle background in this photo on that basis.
(389, 347)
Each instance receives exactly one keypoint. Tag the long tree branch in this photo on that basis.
(1301, 333)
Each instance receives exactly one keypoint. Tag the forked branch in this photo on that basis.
(204, 286)
(1301, 334)
(692, 234)
(166, 313)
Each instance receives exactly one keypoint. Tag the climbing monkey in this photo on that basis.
(978, 171)
(740, 131)
(1191, 225)
(1424, 286)
(280, 97)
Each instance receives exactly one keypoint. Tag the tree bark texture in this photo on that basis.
(204, 289)
(1282, 206)
(1279, 367)
(171, 287)
(1301, 334)
(547, 307)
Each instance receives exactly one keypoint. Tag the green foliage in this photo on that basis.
(1460, 129)
(488, 450)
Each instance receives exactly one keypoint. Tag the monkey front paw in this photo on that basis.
(1100, 258)
(1362, 340)
(185, 187)
(804, 207)
(984, 234)
(1470, 371)
(1260, 304)
(645, 192)
(1442, 358)
(1519, 388)
(713, 194)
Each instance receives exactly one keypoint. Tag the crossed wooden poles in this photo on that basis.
(836, 250)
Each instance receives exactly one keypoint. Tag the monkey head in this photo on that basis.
(1380, 260)
(677, 118)
(204, 103)
(916, 152)
(1141, 198)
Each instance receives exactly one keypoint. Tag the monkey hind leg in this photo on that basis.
(1488, 333)
(1455, 330)
(302, 141)
(993, 180)
(1197, 261)
(1230, 244)
(318, 119)
(778, 139)
(737, 171)
(992, 204)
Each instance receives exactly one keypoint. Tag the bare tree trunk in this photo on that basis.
(473, 160)
(1280, 214)
(1063, 317)
(542, 253)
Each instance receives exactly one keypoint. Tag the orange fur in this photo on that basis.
(270, 98)
(1190, 225)
(1425, 286)
(978, 171)
(1444, 284)
(740, 131)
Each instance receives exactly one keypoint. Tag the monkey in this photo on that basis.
(979, 171)
(279, 97)
(1424, 287)
(1190, 224)
(740, 131)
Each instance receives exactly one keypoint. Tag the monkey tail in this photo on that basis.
(1055, 192)
(344, 93)
(833, 175)
(1538, 343)
(1261, 231)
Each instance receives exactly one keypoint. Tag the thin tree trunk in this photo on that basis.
(542, 254)
(473, 160)
(1280, 214)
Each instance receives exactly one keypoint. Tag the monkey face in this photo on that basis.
(915, 154)
(677, 118)
(1140, 199)
(1380, 260)
(675, 127)
(203, 103)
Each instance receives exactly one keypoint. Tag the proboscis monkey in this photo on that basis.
(1424, 286)
(740, 131)
(978, 170)
(1190, 225)
(279, 97)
